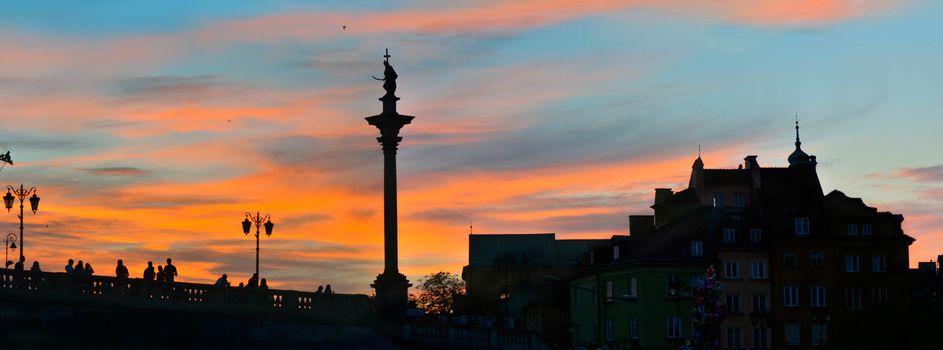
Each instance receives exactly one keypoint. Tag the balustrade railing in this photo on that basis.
(182, 295)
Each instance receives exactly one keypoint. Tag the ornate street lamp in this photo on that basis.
(247, 227)
(21, 193)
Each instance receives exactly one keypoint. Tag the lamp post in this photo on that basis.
(247, 226)
(22, 193)
(10, 243)
(763, 319)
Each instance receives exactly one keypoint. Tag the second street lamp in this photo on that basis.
(258, 220)
(21, 193)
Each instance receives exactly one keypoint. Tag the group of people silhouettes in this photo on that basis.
(19, 273)
(164, 274)
(254, 282)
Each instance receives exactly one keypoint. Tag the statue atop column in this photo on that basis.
(389, 77)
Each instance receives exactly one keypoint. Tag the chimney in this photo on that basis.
(750, 162)
(662, 194)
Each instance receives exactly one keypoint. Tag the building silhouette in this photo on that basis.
(800, 268)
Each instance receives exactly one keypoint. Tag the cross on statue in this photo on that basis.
(387, 55)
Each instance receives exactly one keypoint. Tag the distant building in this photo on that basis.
(507, 278)
(800, 269)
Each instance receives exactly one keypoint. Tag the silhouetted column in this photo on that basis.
(391, 286)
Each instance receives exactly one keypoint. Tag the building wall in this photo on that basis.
(651, 309)
(744, 288)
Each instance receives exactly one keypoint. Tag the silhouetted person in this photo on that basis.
(121, 271)
(161, 276)
(241, 285)
(253, 281)
(319, 291)
(223, 281)
(78, 275)
(149, 272)
(79, 269)
(327, 290)
(170, 271)
(89, 271)
(69, 270)
(18, 275)
(36, 275)
(263, 284)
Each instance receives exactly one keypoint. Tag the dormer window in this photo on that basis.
(718, 199)
(802, 226)
(852, 230)
(738, 199)
(615, 253)
(866, 229)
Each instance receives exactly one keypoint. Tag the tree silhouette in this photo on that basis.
(438, 291)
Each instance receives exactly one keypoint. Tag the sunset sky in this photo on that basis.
(151, 128)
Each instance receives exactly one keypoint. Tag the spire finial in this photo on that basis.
(797, 130)
(699, 150)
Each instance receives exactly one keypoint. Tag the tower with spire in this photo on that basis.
(798, 157)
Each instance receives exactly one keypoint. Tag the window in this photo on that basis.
(633, 327)
(853, 298)
(592, 257)
(608, 329)
(852, 229)
(878, 263)
(791, 296)
(790, 260)
(791, 332)
(733, 338)
(852, 263)
(818, 296)
(817, 259)
(759, 302)
(733, 303)
(576, 298)
(802, 226)
(615, 253)
(732, 270)
(866, 229)
(633, 286)
(674, 327)
(760, 337)
(719, 199)
(697, 248)
(819, 333)
(608, 291)
(879, 296)
(758, 270)
(756, 235)
(738, 199)
(595, 297)
(730, 235)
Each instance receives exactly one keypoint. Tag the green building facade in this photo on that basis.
(632, 301)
